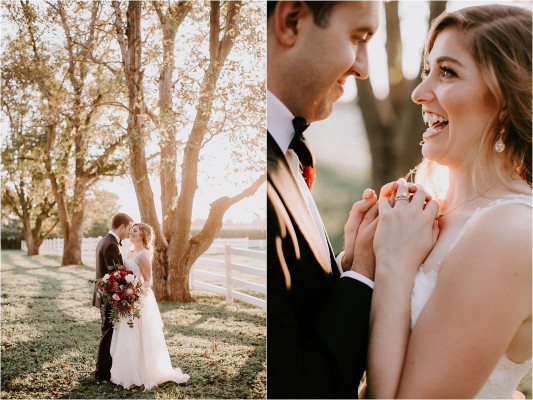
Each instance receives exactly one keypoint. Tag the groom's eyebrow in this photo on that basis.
(449, 59)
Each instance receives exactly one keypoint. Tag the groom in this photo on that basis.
(107, 257)
(318, 307)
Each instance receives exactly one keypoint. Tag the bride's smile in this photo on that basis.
(455, 99)
(135, 235)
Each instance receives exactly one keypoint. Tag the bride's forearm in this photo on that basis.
(389, 332)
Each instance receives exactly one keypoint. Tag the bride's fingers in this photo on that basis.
(435, 232)
(402, 194)
(419, 197)
(384, 205)
(413, 188)
(432, 207)
(388, 189)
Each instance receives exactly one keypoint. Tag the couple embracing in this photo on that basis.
(137, 355)
(431, 299)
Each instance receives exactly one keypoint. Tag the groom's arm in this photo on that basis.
(328, 358)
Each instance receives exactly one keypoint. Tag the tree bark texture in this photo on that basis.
(131, 49)
(170, 22)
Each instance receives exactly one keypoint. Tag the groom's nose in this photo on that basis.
(360, 64)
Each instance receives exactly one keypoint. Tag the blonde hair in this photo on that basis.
(499, 40)
(147, 236)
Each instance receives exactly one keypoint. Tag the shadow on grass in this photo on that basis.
(50, 335)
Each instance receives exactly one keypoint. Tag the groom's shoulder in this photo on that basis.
(105, 242)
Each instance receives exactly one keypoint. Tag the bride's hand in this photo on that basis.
(407, 230)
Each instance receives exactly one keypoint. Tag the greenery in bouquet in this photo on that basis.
(122, 290)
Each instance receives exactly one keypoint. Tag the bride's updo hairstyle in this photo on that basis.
(499, 39)
(147, 236)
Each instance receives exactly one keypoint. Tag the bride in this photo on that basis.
(460, 325)
(140, 355)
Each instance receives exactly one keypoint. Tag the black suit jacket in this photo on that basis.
(317, 323)
(107, 257)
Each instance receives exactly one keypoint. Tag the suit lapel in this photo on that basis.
(336, 272)
(282, 178)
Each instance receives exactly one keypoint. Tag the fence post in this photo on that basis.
(229, 294)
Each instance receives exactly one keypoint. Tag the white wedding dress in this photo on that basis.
(506, 376)
(140, 355)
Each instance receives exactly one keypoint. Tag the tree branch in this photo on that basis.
(201, 242)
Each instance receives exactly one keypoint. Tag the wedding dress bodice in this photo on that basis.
(506, 376)
(131, 264)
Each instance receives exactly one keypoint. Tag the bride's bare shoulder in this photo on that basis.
(498, 242)
(511, 222)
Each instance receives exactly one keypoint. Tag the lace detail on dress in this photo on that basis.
(507, 375)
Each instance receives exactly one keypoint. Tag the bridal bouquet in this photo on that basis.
(122, 290)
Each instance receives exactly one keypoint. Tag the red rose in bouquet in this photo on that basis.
(122, 290)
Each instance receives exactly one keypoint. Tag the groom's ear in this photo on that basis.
(288, 16)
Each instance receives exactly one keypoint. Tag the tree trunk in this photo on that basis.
(72, 252)
(131, 49)
(33, 248)
(180, 263)
(179, 279)
(170, 23)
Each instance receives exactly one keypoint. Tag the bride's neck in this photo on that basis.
(136, 247)
(462, 188)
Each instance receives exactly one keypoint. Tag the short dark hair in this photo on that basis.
(120, 219)
(321, 10)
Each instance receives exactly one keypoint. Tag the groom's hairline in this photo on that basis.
(320, 15)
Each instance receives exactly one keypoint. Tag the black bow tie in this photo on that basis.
(298, 143)
(120, 243)
(304, 153)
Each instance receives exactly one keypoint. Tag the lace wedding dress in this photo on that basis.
(506, 376)
(140, 355)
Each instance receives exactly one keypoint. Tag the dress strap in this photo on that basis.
(509, 199)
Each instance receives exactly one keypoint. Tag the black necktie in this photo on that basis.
(120, 243)
(299, 146)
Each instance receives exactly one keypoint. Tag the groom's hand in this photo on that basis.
(357, 214)
(364, 260)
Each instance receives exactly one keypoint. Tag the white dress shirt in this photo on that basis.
(279, 124)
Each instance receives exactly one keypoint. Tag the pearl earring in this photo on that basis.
(500, 146)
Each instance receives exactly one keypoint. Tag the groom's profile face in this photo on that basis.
(125, 230)
(323, 56)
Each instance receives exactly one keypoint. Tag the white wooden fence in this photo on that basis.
(54, 247)
(227, 247)
(227, 278)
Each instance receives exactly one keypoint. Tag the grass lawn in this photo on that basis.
(50, 336)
